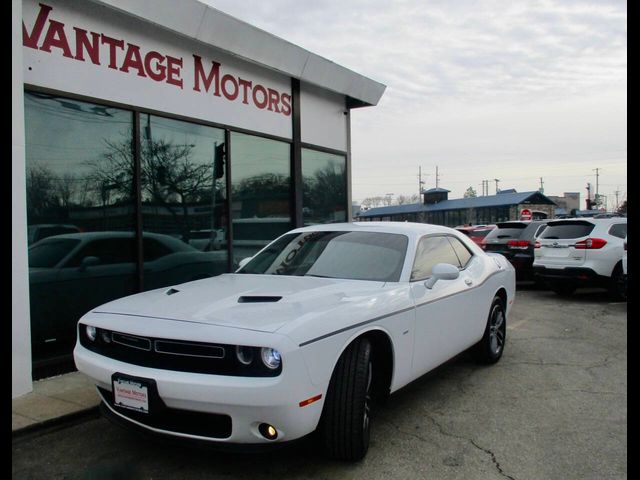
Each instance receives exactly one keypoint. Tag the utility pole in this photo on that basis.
(617, 192)
(437, 177)
(588, 196)
(420, 181)
(541, 185)
(497, 181)
(597, 175)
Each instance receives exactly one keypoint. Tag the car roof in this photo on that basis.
(595, 221)
(406, 228)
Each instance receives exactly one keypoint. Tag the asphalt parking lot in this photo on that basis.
(554, 407)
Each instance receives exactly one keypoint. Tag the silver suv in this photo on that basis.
(581, 252)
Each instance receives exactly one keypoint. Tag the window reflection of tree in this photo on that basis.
(324, 194)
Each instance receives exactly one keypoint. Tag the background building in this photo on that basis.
(438, 209)
(156, 143)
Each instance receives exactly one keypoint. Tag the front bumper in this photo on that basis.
(246, 401)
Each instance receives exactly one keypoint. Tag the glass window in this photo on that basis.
(107, 251)
(567, 229)
(261, 184)
(431, 251)
(618, 230)
(79, 180)
(463, 253)
(184, 200)
(324, 187)
(333, 255)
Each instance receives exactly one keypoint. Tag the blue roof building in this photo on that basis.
(438, 209)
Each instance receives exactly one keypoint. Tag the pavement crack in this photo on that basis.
(472, 442)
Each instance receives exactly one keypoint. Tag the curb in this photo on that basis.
(53, 424)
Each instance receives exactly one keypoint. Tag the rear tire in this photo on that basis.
(344, 426)
(489, 349)
(618, 284)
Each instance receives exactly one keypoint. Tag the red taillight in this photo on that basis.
(590, 244)
(520, 244)
(537, 244)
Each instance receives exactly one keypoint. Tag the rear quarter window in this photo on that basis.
(618, 230)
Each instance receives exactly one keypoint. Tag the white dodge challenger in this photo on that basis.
(303, 338)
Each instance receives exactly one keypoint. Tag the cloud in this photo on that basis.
(472, 82)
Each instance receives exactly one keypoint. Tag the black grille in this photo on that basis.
(176, 355)
(208, 425)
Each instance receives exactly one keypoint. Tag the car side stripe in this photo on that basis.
(322, 337)
(331, 334)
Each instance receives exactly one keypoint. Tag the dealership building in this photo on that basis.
(156, 142)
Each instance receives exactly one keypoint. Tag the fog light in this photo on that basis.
(91, 333)
(105, 336)
(268, 431)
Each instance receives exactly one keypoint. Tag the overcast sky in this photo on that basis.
(482, 89)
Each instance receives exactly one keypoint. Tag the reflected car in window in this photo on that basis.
(307, 335)
(36, 233)
(72, 273)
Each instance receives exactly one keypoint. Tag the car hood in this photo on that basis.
(242, 300)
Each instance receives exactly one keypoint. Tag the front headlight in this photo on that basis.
(270, 357)
(244, 354)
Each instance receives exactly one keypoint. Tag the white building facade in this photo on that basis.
(154, 144)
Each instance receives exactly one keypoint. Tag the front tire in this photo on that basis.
(489, 349)
(344, 426)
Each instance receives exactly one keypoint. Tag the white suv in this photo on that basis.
(576, 252)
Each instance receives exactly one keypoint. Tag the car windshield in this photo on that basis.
(48, 253)
(333, 254)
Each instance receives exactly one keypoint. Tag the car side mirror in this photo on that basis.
(89, 262)
(442, 271)
(243, 262)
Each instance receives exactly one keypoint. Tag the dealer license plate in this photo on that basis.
(131, 394)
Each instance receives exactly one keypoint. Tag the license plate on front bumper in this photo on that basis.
(131, 394)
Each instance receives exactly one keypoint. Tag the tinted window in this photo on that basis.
(48, 254)
(540, 229)
(480, 233)
(153, 249)
(431, 251)
(349, 255)
(618, 230)
(108, 250)
(567, 230)
(507, 230)
(463, 253)
(184, 196)
(324, 187)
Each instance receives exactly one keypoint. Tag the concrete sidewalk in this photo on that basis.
(54, 400)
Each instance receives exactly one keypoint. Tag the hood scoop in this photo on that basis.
(258, 299)
(171, 291)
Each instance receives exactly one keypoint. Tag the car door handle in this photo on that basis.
(469, 282)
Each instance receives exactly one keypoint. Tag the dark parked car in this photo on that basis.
(516, 240)
(72, 273)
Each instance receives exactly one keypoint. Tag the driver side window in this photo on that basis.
(431, 251)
